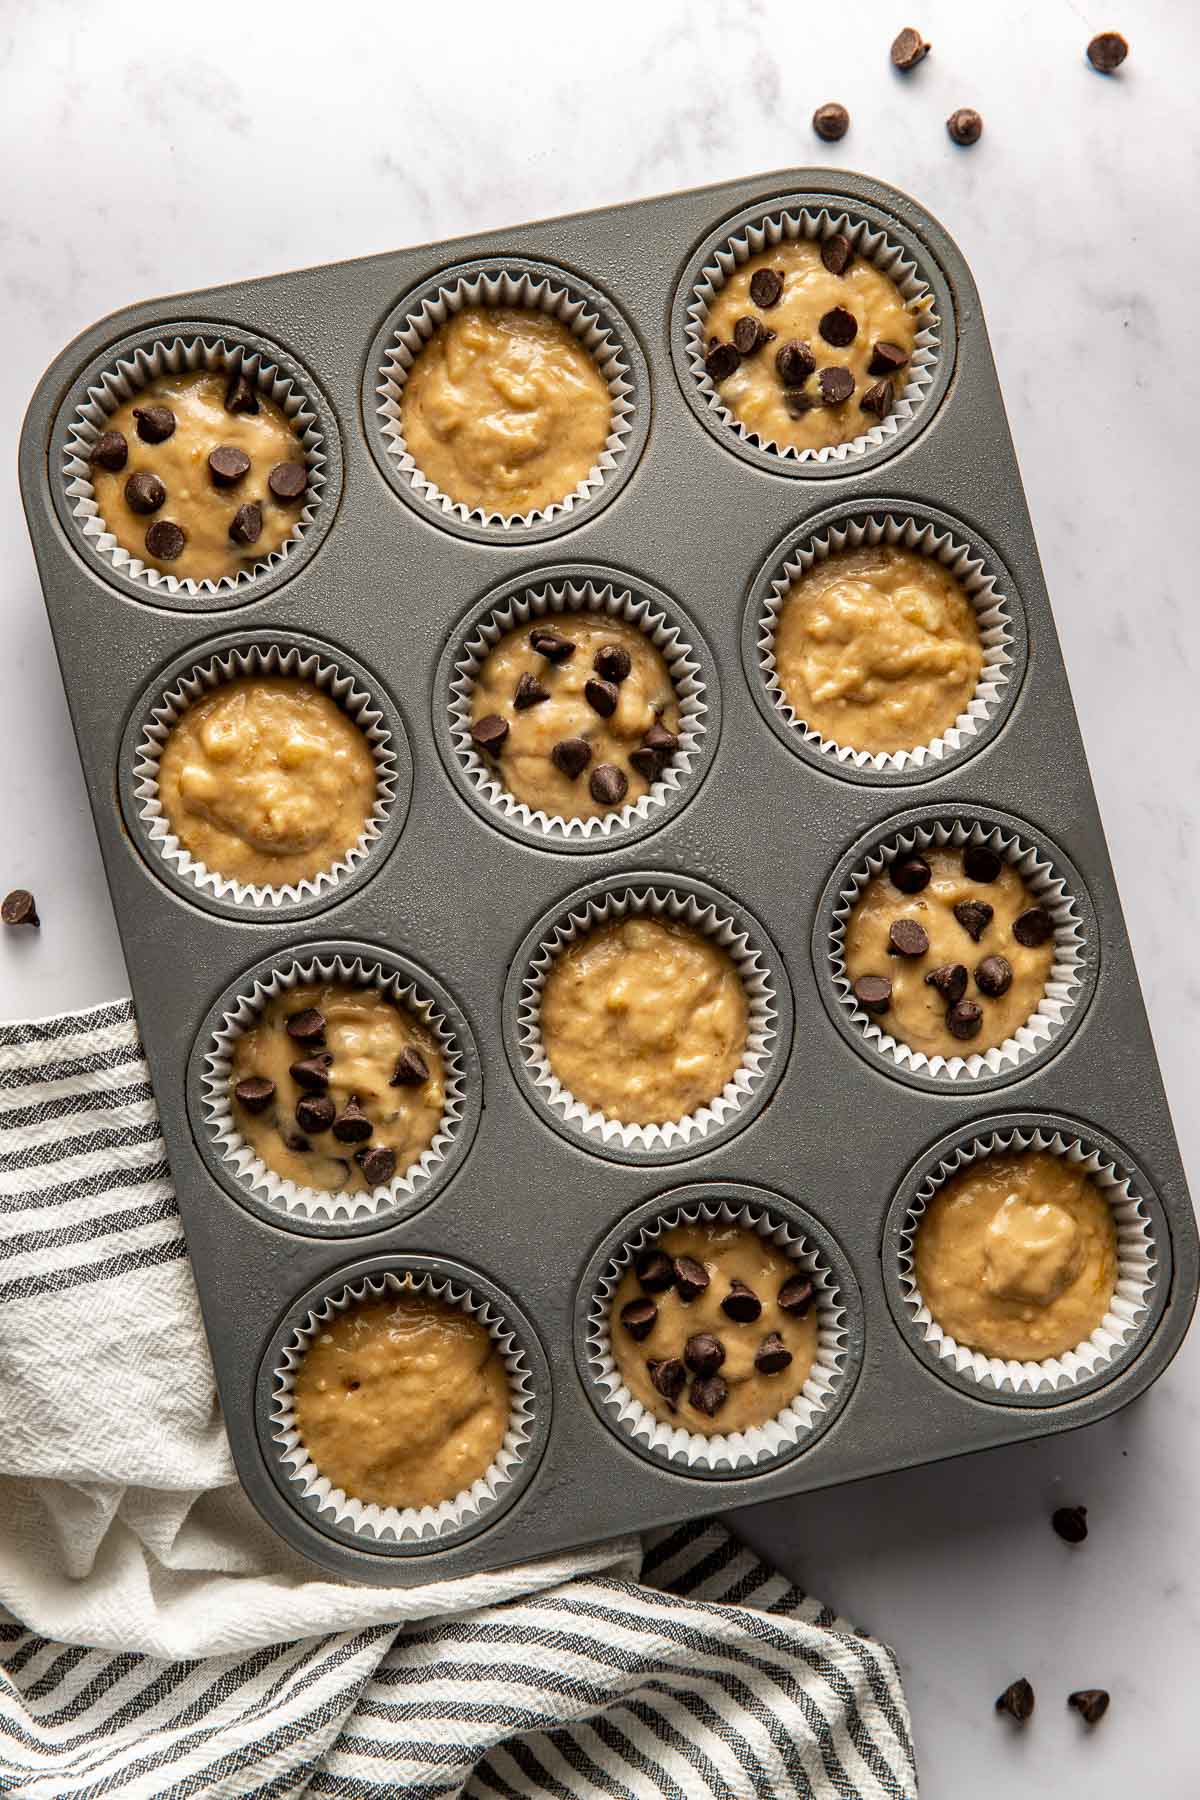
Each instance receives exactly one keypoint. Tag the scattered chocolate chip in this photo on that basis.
(648, 763)
(1107, 51)
(907, 938)
(307, 1026)
(993, 976)
(741, 1303)
(772, 1355)
(874, 993)
(1017, 1700)
(836, 385)
(110, 450)
(246, 525)
(655, 1271)
(602, 696)
(974, 916)
(909, 873)
(1090, 1703)
(352, 1125)
(749, 335)
(878, 399)
(227, 464)
(613, 662)
(144, 493)
(796, 1296)
(831, 121)
(838, 327)
(669, 1377)
(766, 286)
(552, 645)
(154, 423)
(240, 395)
(794, 362)
(797, 402)
(950, 981)
(571, 756)
(19, 908)
(314, 1113)
(377, 1163)
(411, 1068)
(704, 1353)
(489, 734)
(1033, 927)
(721, 362)
(837, 253)
(608, 784)
(964, 1019)
(660, 739)
(691, 1278)
(638, 1317)
(529, 692)
(908, 49)
(965, 126)
(312, 1072)
(708, 1394)
(886, 358)
(288, 480)
(1070, 1522)
(255, 1093)
(165, 540)
(980, 863)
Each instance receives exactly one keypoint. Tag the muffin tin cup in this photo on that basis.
(1052, 881)
(881, 240)
(1143, 1264)
(988, 585)
(201, 671)
(555, 594)
(390, 1529)
(761, 1448)
(680, 900)
(237, 1166)
(125, 370)
(509, 281)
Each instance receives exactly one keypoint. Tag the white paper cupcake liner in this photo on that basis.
(128, 375)
(1047, 886)
(510, 285)
(876, 246)
(795, 1424)
(205, 676)
(992, 609)
(390, 1523)
(557, 600)
(680, 907)
(248, 1169)
(1136, 1267)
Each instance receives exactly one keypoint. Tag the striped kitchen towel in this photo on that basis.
(158, 1641)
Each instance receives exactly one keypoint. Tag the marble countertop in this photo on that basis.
(168, 157)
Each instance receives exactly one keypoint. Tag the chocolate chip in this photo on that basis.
(240, 395)
(552, 645)
(794, 362)
(227, 464)
(602, 696)
(529, 692)
(655, 1271)
(741, 1303)
(352, 1125)
(993, 976)
(907, 938)
(878, 399)
(246, 525)
(608, 784)
(721, 362)
(613, 662)
(766, 286)
(831, 121)
(886, 358)
(19, 908)
(638, 1317)
(154, 423)
(796, 1296)
(648, 763)
(950, 981)
(669, 1377)
(965, 1019)
(974, 916)
(704, 1353)
(110, 450)
(312, 1072)
(144, 493)
(314, 1113)
(873, 993)
(797, 402)
(165, 540)
(411, 1068)
(295, 1140)
(307, 1026)
(1090, 1703)
(749, 335)
(377, 1163)
(571, 756)
(691, 1278)
(708, 1394)
(965, 126)
(1070, 1522)
(1017, 1700)
(836, 385)
(489, 733)
(1033, 927)
(838, 327)
(659, 739)
(837, 253)
(908, 49)
(772, 1355)
(255, 1093)
(288, 480)
(980, 863)
(909, 873)
(1107, 52)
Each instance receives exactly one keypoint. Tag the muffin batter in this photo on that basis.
(720, 1357)
(402, 1402)
(1016, 1256)
(228, 521)
(504, 409)
(972, 954)
(644, 1020)
(356, 1087)
(878, 649)
(266, 780)
(604, 689)
(823, 321)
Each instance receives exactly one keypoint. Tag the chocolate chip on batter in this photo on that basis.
(965, 126)
(838, 327)
(965, 1019)
(837, 253)
(648, 763)
(608, 784)
(908, 49)
(1090, 1703)
(950, 981)
(288, 480)
(314, 1113)
(878, 399)
(1033, 927)
(974, 916)
(797, 402)
(571, 756)
(246, 525)
(772, 1355)
(411, 1068)
(794, 362)
(307, 1026)
(227, 464)
(352, 1125)
(873, 993)
(1017, 1700)
(831, 121)
(1070, 1522)
(240, 395)
(602, 696)
(836, 385)
(613, 662)
(154, 423)
(255, 1093)
(659, 739)
(909, 873)
(110, 450)
(703, 1353)
(721, 362)
(638, 1317)
(708, 1394)
(552, 645)
(766, 286)
(312, 1072)
(669, 1377)
(377, 1163)
(691, 1278)
(165, 540)
(749, 335)
(529, 692)
(980, 863)
(1107, 51)
(489, 734)
(655, 1271)
(295, 1140)
(741, 1303)
(796, 1295)
(993, 976)
(907, 938)
(144, 493)
(886, 358)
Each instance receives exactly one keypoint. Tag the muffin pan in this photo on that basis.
(832, 1136)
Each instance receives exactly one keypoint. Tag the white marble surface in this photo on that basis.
(154, 149)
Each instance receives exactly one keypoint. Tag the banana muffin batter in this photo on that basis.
(644, 1020)
(809, 344)
(337, 1087)
(878, 649)
(578, 713)
(949, 950)
(402, 1402)
(1016, 1256)
(200, 475)
(714, 1328)
(266, 780)
(505, 409)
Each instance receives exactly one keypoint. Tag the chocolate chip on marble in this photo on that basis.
(993, 976)
(749, 335)
(974, 916)
(909, 873)
(306, 1026)
(19, 908)
(873, 993)
(352, 1126)
(704, 1353)
(377, 1163)
(165, 540)
(602, 696)
(794, 362)
(836, 385)
(240, 394)
(1017, 1700)
(796, 1296)
(772, 1355)
(144, 493)
(246, 525)
(552, 645)
(980, 863)
(655, 1271)
(878, 399)
(639, 1317)
(312, 1072)
(411, 1068)
(255, 1093)
(965, 126)
(571, 757)
(612, 662)
(608, 785)
(964, 1019)
(1033, 927)
(314, 1113)
(907, 938)
(831, 121)
(908, 49)
(797, 402)
(837, 253)
(154, 423)
(741, 1303)
(488, 734)
(766, 286)
(669, 1376)
(1107, 51)
(886, 358)
(1070, 1522)
(288, 480)
(708, 1394)
(691, 1278)
(721, 362)
(529, 692)
(838, 327)
(110, 451)
(227, 464)
(1090, 1703)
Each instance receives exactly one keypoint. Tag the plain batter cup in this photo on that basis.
(383, 1525)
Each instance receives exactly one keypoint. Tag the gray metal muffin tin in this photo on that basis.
(527, 1206)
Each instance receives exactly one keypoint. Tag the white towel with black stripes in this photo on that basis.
(158, 1641)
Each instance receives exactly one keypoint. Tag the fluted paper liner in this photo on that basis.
(555, 601)
(761, 1444)
(129, 375)
(1136, 1262)
(408, 1523)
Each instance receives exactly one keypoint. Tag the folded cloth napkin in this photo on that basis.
(157, 1640)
